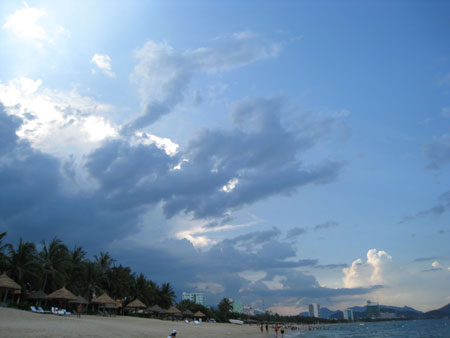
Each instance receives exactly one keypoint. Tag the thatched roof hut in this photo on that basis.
(199, 314)
(188, 313)
(103, 299)
(38, 295)
(62, 294)
(79, 300)
(137, 304)
(8, 283)
(155, 309)
(173, 310)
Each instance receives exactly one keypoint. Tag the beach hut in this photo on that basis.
(199, 315)
(103, 300)
(79, 300)
(7, 284)
(188, 314)
(136, 304)
(174, 312)
(62, 295)
(38, 296)
(155, 309)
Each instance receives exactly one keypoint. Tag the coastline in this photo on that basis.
(19, 323)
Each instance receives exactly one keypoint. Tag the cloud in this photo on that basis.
(295, 232)
(103, 62)
(435, 264)
(326, 225)
(24, 24)
(371, 272)
(164, 73)
(425, 259)
(438, 152)
(442, 206)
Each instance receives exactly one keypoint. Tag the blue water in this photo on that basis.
(398, 329)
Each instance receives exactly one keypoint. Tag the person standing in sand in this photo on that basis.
(79, 309)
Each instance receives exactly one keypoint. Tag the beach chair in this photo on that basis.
(57, 312)
(41, 310)
(33, 309)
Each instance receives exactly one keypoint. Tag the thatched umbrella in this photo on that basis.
(199, 314)
(188, 313)
(38, 296)
(62, 294)
(156, 309)
(7, 284)
(79, 300)
(136, 304)
(104, 300)
(174, 312)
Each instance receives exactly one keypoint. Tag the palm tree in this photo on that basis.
(166, 296)
(77, 259)
(2, 255)
(54, 263)
(22, 264)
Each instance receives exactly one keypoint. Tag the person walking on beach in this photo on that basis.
(282, 332)
(173, 334)
(267, 328)
(79, 308)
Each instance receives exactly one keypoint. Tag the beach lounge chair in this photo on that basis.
(58, 312)
(33, 309)
(41, 310)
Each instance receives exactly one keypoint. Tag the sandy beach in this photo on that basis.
(17, 323)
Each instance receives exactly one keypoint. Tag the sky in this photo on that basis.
(275, 153)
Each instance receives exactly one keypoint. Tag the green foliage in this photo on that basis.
(55, 266)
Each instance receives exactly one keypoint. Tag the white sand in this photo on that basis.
(25, 324)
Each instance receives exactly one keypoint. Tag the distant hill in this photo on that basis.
(439, 313)
(360, 312)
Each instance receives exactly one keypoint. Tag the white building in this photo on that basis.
(314, 310)
(196, 297)
(348, 314)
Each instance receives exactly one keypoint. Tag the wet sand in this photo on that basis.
(25, 324)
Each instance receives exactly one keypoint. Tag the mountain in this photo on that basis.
(439, 313)
(401, 309)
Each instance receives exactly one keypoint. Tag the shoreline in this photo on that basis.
(16, 323)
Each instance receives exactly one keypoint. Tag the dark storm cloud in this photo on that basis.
(260, 156)
(221, 266)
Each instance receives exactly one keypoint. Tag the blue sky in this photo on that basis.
(289, 152)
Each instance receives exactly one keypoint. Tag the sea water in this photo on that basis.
(398, 329)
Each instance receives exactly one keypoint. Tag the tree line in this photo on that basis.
(54, 265)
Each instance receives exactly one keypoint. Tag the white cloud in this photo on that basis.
(164, 74)
(435, 264)
(57, 122)
(24, 24)
(103, 62)
(371, 272)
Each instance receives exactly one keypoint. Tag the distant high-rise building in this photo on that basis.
(373, 310)
(196, 297)
(348, 314)
(314, 310)
(238, 307)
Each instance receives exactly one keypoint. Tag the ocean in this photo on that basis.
(398, 329)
